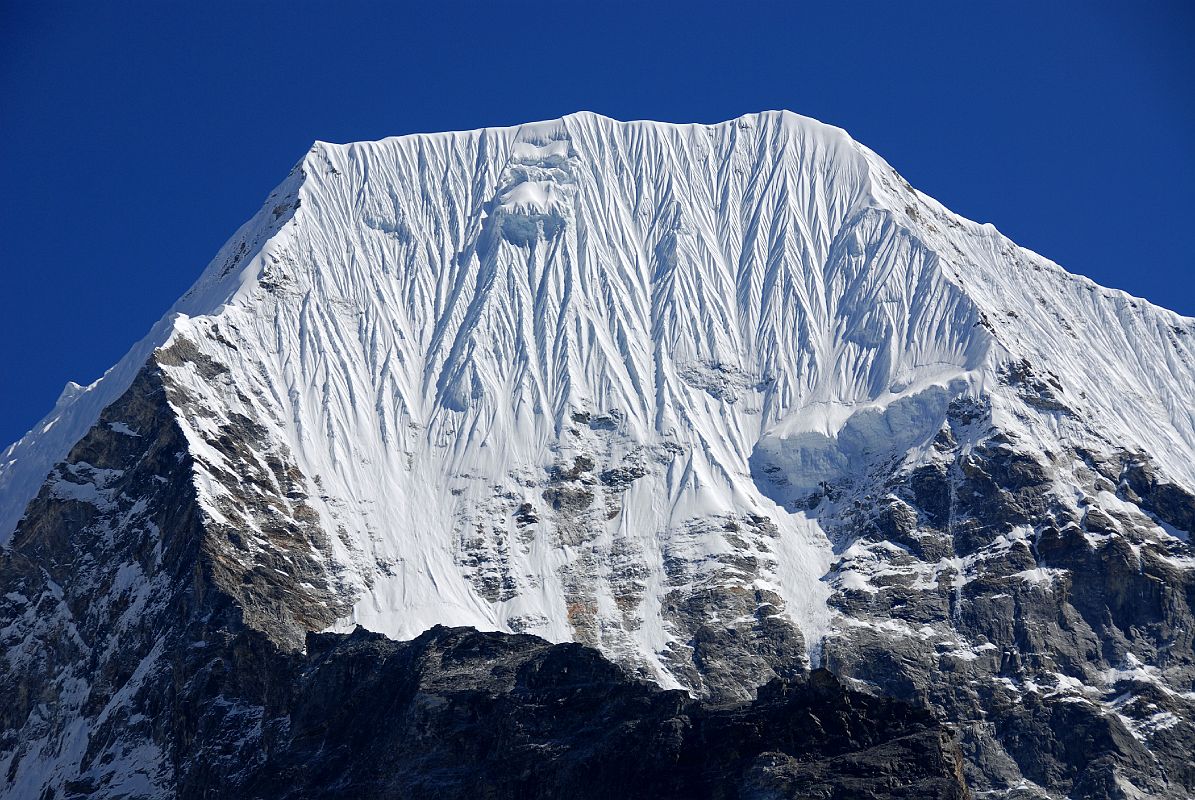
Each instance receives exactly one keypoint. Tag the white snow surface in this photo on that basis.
(421, 321)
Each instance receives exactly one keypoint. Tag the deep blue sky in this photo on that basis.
(137, 138)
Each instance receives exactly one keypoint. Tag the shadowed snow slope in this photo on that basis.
(580, 378)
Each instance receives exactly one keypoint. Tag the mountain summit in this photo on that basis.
(725, 402)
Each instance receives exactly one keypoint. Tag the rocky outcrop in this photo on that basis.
(119, 591)
(1055, 630)
(462, 714)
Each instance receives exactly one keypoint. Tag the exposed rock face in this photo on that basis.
(457, 713)
(106, 563)
(120, 590)
(1055, 631)
(725, 403)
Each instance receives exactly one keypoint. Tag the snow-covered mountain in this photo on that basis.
(723, 401)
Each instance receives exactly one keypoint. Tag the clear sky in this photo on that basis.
(137, 137)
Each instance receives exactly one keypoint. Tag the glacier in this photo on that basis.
(632, 385)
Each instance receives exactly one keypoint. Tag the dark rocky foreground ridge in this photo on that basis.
(458, 713)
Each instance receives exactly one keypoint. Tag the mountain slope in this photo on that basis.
(724, 401)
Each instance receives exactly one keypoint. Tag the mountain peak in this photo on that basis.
(725, 402)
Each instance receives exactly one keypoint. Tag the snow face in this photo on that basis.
(536, 378)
